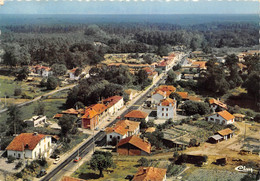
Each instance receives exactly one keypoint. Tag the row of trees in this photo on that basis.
(73, 45)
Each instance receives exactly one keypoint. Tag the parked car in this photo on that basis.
(57, 160)
(77, 159)
(42, 173)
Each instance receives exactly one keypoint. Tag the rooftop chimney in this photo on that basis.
(35, 133)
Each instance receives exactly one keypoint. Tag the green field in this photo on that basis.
(52, 107)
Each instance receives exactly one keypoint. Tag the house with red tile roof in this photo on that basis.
(72, 74)
(150, 174)
(222, 117)
(114, 104)
(183, 95)
(40, 70)
(131, 93)
(217, 105)
(152, 74)
(133, 145)
(166, 88)
(90, 119)
(201, 65)
(137, 115)
(166, 109)
(122, 129)
(101, 109)
(30, 146)
(157, 96)
(226, 133)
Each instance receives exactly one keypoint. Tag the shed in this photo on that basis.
(215, 139)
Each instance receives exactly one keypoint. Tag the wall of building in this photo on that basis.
(166, 112)
(219, 120)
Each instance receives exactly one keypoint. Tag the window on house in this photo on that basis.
(166, 109)
(162, 114)
(14, 154)
(111, 136)
(118, 137)
(162, 109)
(166, 114)
(19, 155)
(211, 119)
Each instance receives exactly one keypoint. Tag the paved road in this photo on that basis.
(40, 97)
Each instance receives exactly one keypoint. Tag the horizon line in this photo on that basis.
(129, 14)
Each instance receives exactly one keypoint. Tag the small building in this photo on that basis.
(158, 96)
(239, 117)
(101, 109)
(152, 74)
(133, 146)
(184, 95)
(73, 74)
(90, 119)
(36, 121)
(201, 65)
(215, 138)
(226, 133)
(222, 117)
(216, 105)
(30, 146)
(131, 93)
(114, 104)
(166, 88)
(71, 112)
(150, 174)
(40, 70)
(137, 115)
(122, 129)
(166, 109)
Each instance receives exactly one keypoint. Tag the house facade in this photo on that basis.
(222, 117)
(40, 70)
(137, 115)
(122, 129)
(90, 119)
(133, 146)
(217, 105)
(30, 146)
(72, 75)
(36, 121)
(158, 96)
(166, 109)
(114, 104)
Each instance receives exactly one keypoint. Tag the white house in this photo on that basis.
(122, 129)
(166, 109)
(30, 145)
(114, 104)
(72, 74)
(222, 117)
(36, 121)
(216, 104)
(40, 70)
(158, 96)
(131, 93)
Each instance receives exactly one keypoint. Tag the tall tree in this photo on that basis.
(100, 161)
(67, 124)
(14, 120)
(39, 109)
(59, 69)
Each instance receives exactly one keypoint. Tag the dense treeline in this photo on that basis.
(73, 45)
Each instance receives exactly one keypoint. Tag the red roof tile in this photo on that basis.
(136, 114)
(67, 178)
(136, 141)
(167, 102)
(219, 103)
(89, 114)
(225, 132)
(226, 115)
(25, 141)
(112, 100)
(150, 174)
(184, 95)
(99, 108)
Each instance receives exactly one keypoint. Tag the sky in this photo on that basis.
(130, 7)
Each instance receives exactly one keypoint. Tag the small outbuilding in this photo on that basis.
(215, 138)
(226, 133)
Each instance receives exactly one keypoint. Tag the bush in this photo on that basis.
(18, 165)
(10, 159)
(143, 162)
(19, 175)
(17, 91)
(42, 162)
